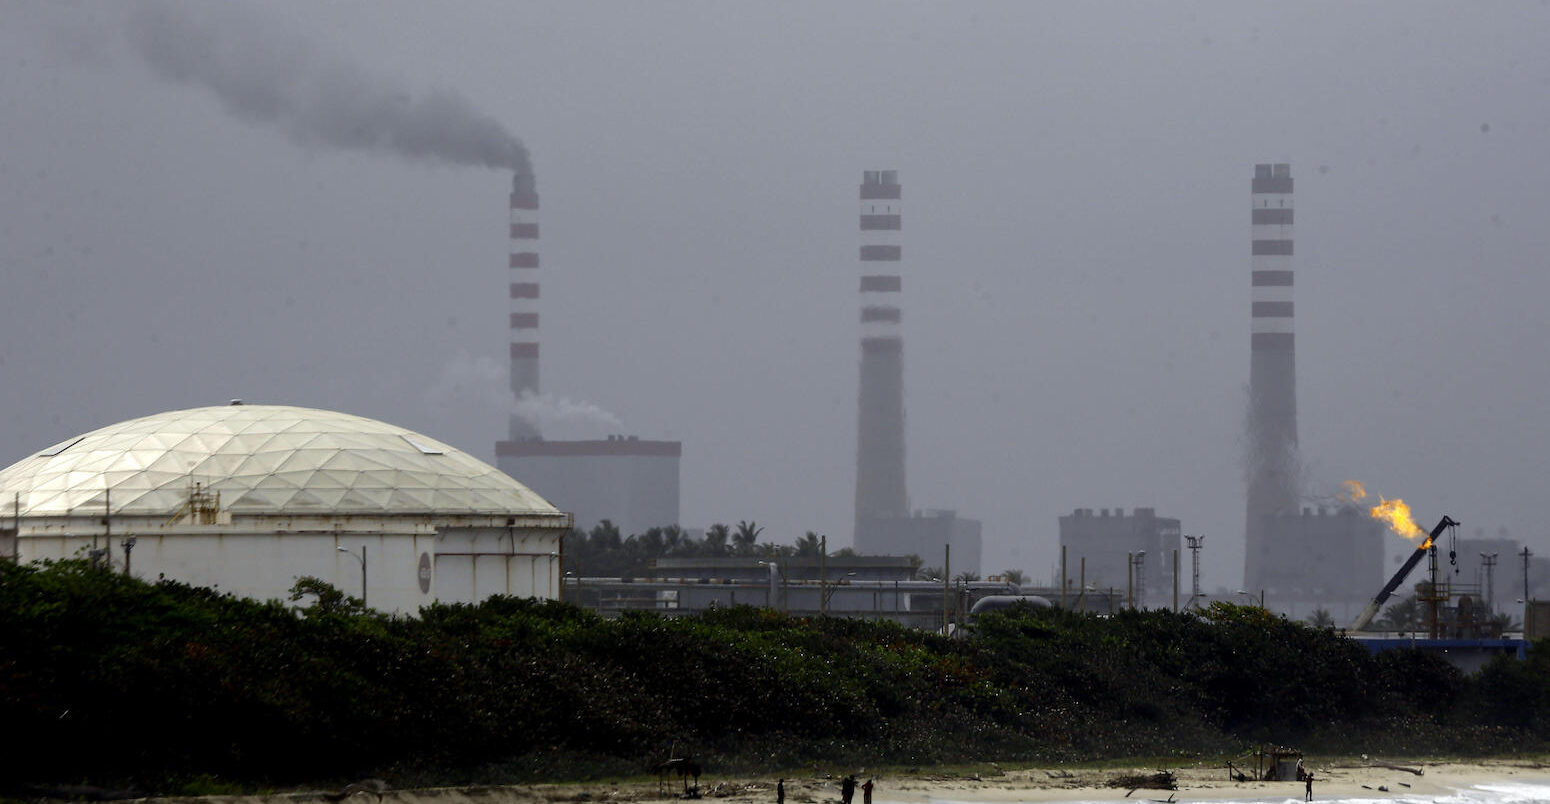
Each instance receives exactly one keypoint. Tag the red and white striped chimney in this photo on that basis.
(524, 299)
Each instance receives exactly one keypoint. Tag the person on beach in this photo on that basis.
(780, 792)
(848, 789)
(1309, 795)
(866, 792)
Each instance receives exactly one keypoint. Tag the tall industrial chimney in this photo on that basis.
(524, 299)
(1272, 416)
(880, 490)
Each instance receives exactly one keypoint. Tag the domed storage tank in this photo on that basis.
(249, 498)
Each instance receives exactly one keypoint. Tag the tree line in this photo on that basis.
(605, 552)
(164, 687)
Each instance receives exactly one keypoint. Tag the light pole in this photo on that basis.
(361, 558)
(1195, 544)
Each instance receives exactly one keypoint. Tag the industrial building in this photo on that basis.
(1133, 553)
(628, 481)
(867, 587)
(1330, 558)
(938, 538)
(247, 499)
(884, 524)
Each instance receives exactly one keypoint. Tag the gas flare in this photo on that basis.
(1352, 492)
(1396, 514)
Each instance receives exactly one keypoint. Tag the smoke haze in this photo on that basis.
(567, 418)
(267, 75)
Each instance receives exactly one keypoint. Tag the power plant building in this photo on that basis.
(938, 538)
(625, 480)
(883, 522)
(1120, 551)
(248, 499)
(1321, 557)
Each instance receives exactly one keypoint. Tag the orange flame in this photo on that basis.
(1352, 493)
(1396, 514)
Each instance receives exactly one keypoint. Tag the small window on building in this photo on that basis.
(428, 449)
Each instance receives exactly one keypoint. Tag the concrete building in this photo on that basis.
(1330, 558)
(884, 524)
(630, 482)
(1123, 552)
(927, 535)
(623, 479)
(1272, 415)
(249, 498)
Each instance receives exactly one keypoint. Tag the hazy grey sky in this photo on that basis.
(1076, 182)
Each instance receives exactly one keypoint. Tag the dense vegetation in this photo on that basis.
(109, 680)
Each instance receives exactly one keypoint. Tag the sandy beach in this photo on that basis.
(1334, 779)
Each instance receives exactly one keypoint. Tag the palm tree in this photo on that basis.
(744, 537)
(673, 538)
(716, 539)
(1016, 577)
(1404, 615)
(809, 544)
(1321, 618)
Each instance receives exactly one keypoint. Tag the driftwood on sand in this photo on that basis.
(1416, 771)
(1161, 780)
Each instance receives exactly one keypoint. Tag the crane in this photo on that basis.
(1399, 577)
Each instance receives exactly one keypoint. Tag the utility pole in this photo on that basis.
(1139, 562)
(1081, 588)
(1488, 561)
(823, 573)
(1526, 555)
(1195, 543)
(1130, 580)
(947, 585)
(1175, 580)
(1063, 581)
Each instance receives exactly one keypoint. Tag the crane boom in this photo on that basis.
(1371, 611)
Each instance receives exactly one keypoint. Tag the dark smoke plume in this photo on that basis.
(272, 77)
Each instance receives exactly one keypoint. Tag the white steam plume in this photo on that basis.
(480, 383)
(274, 77)
(554, 414)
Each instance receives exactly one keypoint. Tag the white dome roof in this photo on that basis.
(262, 459)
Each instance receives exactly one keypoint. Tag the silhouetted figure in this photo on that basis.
(848, 789)
(375, 787)
(1309, 796)
(780, 792)
(866, 792)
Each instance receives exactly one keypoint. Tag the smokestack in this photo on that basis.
(880, 490)
(524, 300)
(1272, 420)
